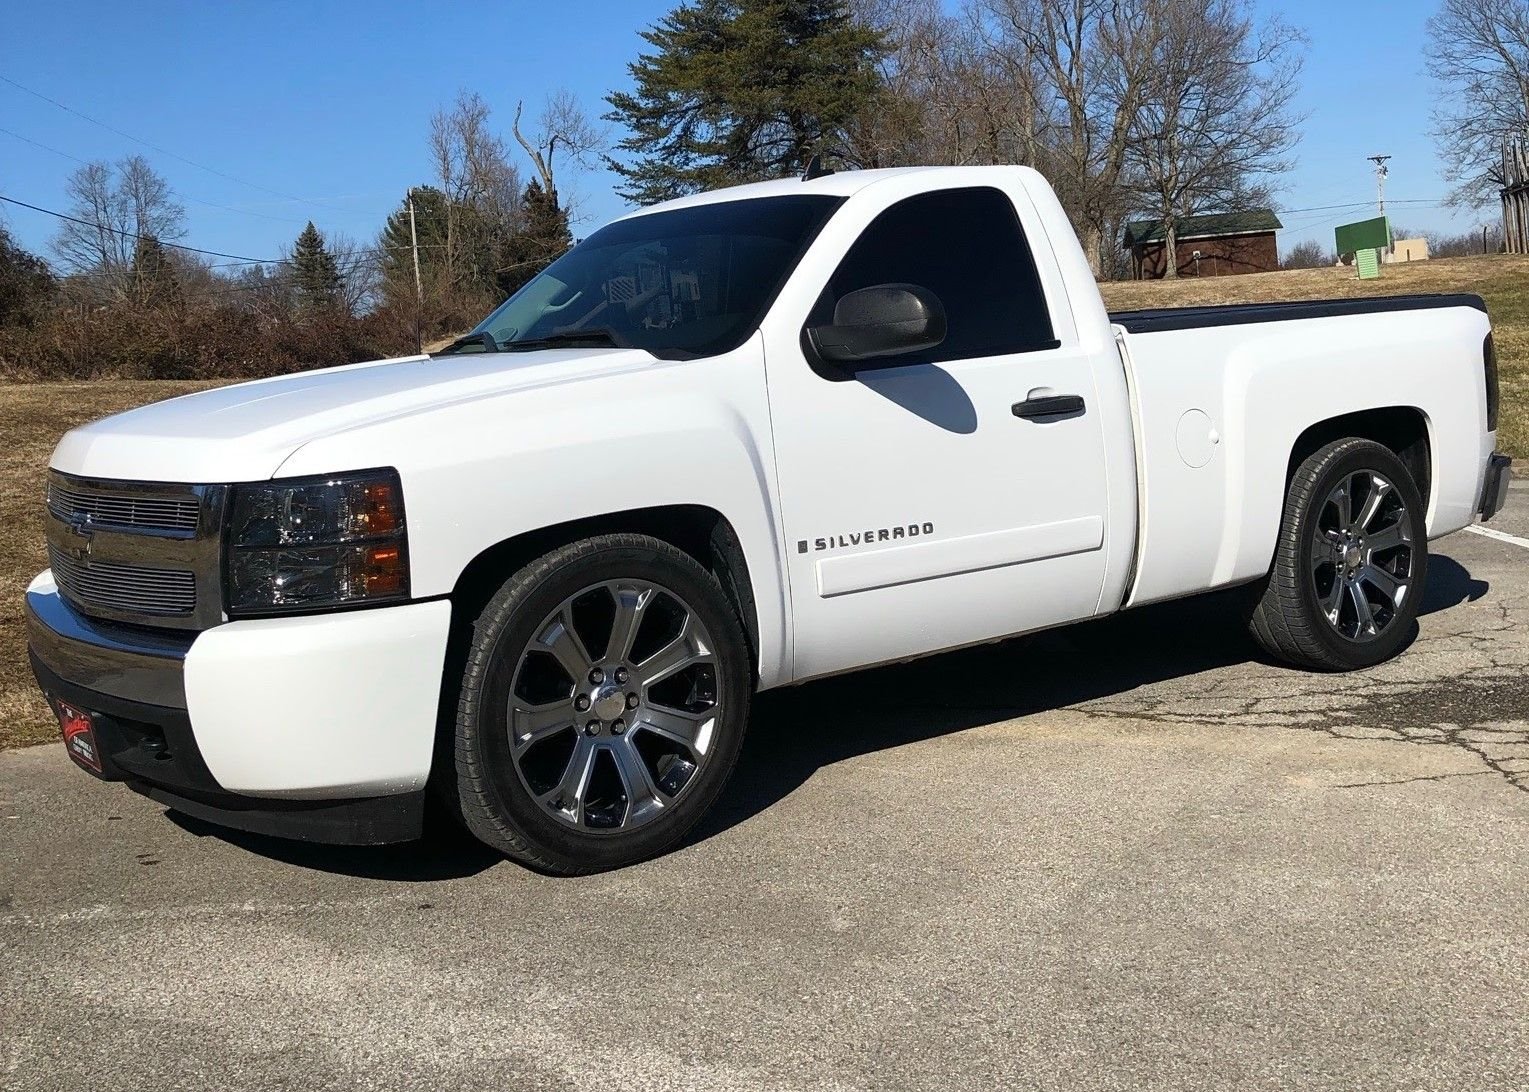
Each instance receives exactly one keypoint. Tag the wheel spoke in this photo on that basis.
(1365, 616)
(1379, 489)
(1343, 500)
(1388, 538)
(683, 727)
(1332, 602)
(631, 606)
(1385, 583)
(641, 794)
(568, 794)
(560, 639)
(1322, 545)
(532, 723)
(684, 650)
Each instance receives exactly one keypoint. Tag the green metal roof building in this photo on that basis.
(1214, 245)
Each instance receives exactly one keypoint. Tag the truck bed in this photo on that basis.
(1155, 320)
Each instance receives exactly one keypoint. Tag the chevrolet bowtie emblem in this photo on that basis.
(83, 530)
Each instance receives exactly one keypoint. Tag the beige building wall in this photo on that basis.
(1406, 250)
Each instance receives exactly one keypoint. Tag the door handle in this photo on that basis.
(1049, 407)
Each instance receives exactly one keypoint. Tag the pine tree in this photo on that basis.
(315, 276)
(154, 279)
(542, 238)
(26, 283)
(397, 251)
(742, 90)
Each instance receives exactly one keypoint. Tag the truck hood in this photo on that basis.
(246, 431)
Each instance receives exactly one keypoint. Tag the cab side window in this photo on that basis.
(966, 246)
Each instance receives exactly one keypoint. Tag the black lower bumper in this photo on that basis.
(1494, 494)
(152, 749)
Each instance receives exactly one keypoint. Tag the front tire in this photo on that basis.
(603, 705)
(1351, 562)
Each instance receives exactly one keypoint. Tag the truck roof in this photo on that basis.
(838, 184)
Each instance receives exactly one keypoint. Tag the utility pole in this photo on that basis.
(419, 287)
(1381, 170)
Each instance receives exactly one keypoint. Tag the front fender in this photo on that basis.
(480, 472)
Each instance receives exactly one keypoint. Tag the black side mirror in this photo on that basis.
(880, 321)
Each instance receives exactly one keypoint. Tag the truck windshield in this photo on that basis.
(686, 283)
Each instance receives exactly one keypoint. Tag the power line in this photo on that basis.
(238, 259)
(182, 196)
(131, 235)
(166, 151)
(1436, 202)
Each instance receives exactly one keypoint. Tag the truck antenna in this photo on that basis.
(815, 169)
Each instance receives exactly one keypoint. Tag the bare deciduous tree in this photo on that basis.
(1087, 64)
(1480, 57)
(1215, 122)
(118, 203)
(1308, 255)
(360, 272)
(562, 128)
(1074, 88)
(480, 184)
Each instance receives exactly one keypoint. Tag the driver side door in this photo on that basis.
(922, 508)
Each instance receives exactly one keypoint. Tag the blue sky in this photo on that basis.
(330, 102)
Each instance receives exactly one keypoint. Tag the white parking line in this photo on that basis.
(1500, 536)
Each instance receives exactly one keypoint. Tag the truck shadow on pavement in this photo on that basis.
(798, 730)
(444, 853)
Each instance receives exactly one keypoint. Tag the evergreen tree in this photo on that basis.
(542, 238)
(397, 252)
(154, 279)
(315, 276)
(26, 283)
(742, 90)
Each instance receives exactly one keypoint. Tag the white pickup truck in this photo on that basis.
(727, 443)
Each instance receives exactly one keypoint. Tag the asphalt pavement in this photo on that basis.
(1127, 855)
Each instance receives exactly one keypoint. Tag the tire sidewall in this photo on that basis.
(1339, 464)
(512, 624)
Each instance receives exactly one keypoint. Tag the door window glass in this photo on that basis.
(966, 246)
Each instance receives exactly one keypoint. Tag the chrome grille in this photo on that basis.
(130, 588)
(147, 553)
(124, 510)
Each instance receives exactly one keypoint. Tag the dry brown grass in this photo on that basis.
(32, 418)
(1502, 280)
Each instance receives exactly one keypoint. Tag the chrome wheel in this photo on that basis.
(1362, 556)
(613, 705)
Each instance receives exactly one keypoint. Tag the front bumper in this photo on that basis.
(1494, 492)
(318, 727)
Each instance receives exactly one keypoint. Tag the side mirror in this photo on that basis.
(880, 321)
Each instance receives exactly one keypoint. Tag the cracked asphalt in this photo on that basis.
(1128, 855)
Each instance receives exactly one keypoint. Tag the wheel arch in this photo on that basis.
(1403, 429)
(700, 531)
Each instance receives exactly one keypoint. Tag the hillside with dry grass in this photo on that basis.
(1501, 280)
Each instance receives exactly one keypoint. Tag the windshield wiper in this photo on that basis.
(600, 336)
(482, 337)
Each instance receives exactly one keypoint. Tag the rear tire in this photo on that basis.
(1351, 561)
(603, 705)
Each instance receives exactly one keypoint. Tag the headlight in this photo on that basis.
(312, 543)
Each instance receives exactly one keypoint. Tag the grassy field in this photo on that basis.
(33, 416)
